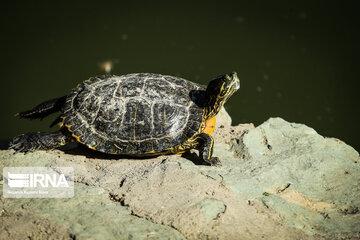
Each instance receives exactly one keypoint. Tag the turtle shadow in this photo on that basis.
(77, 149)
(81, 150)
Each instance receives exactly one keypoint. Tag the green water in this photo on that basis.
(298, 60)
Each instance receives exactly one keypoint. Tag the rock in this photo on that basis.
(224, 132)
(278, 181)
(309, 179)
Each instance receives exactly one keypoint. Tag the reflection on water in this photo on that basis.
(296, 61)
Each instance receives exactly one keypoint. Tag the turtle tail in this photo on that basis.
(44, 109)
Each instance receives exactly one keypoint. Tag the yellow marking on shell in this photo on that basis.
(167, 139)
(150, 152)
(179, 149)
(164, 113)
(210, 126)
(181, 152)
(77, 138)
(94, 147)
(69, 127)
(152, 143)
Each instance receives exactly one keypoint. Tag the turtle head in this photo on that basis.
(219, 91)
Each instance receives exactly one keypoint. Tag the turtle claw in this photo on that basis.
(214, 161)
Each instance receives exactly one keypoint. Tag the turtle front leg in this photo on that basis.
(205, 145)
(39, 141)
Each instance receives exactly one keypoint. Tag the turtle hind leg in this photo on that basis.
(44, 109)
(205, 144)
(39, 141)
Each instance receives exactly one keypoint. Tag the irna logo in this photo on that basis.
(36, 180)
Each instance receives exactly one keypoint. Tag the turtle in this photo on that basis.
(138, 114)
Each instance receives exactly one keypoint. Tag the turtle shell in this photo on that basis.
(133, 114)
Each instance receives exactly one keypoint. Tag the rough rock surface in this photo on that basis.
(279, 180)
